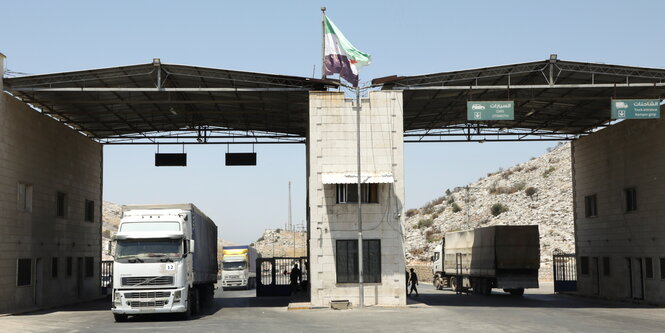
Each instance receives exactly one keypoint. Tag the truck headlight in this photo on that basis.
(116, 298)
(176, 296)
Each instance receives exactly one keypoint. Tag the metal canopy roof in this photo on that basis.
(554, 99)
(166, 103)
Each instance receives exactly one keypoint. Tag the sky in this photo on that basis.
(284, 37)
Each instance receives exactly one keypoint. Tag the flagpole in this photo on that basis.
(361, 291)
(323, 42)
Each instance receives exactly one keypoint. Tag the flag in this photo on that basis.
(340, 56)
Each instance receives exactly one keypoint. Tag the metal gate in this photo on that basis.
(106, 277)
(564, 267)
(274, 276)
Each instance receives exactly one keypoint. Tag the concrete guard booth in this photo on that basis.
(53, 129)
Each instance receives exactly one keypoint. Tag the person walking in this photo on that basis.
(414, 282)
(296, 278)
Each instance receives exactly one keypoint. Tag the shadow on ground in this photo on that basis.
(446, 297)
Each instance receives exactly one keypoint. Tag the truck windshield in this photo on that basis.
(234, 265)
(141, 248)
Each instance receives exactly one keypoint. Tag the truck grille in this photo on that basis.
(148, 294)
(147, 281)
(152, 304)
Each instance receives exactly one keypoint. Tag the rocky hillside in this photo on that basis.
(280, 243)
(535, 192)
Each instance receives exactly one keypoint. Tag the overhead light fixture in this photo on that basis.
(530, 112)
(553, 57)
(156, 61)
(173, 111)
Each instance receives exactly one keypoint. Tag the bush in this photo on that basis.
(416, 252)
(456, 208)
(548, 172)
(260, 239)
(498, 208)
(106, 233)
(448, 192)
(278, 230)
(434, 216)
(506, 190)
(451, 200)
(411, 212)
(530, 191)
(424, 223)
(427, 210)
(433, 236)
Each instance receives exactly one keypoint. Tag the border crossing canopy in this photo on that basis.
(554, 99)
(163, 103)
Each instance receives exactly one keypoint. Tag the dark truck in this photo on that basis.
(504, 257)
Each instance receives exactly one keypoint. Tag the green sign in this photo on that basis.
(635, 108)
(490, 110)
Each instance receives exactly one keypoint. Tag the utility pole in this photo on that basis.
(290, 225)
(361, 291)
(468, 212)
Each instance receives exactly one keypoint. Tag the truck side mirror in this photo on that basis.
(109, 248)
(191, 246)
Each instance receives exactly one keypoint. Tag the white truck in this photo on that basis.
(238, 267)
(505, 257)
(165, 260)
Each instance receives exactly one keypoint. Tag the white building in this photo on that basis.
(332, 159)
(619, 193)
(50, 204)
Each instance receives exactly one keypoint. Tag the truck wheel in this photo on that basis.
(516, 292)
(187, 315)
(437, 283)
(453, 283)
(196, 301)
(487, 287)
(120, 317)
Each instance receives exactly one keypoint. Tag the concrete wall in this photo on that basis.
(332, 149)
(629, 154)
(41, 152)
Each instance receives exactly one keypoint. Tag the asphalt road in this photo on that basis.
(433, 310)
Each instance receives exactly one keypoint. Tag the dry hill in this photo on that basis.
(535, 192)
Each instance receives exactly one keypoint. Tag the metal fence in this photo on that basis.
(106, 275)
(274, 277)
(564, 268)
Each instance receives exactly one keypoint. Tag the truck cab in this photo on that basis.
(238, 269)
(152, 267)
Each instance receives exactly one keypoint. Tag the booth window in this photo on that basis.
(24, 199)
(590, 206)
(54, 267)
(348, 193)
(584, 265)
(89, 211)
(89, 267)
(346, 258)
(648, 268)
(631, 199)
(69, 266)
(24, 272)
(61, 204)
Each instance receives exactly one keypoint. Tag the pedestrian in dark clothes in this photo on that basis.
(414, 282)
(296, 278)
